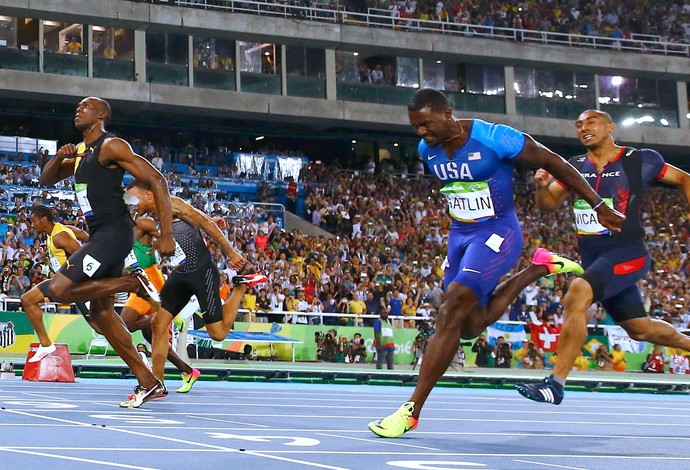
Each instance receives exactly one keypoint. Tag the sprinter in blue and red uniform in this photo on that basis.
(475, 161)
(613, 262)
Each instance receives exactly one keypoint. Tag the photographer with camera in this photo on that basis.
(483, 349)
(318, 336)
(358, 351)
(343, 353)
(534, 358)
(327, 346)
(503, 354)
(14, 283)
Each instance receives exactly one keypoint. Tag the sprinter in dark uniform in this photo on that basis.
(93, 273)
(613, 263)
(197, 275)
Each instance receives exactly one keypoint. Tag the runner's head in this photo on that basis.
(90, 112)
(430, 114)
(142, 191)
(595, 128)
(41, 218)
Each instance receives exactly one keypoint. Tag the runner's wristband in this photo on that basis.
(594, 207)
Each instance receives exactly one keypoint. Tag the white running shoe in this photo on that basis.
(148, 291)
(42, 352)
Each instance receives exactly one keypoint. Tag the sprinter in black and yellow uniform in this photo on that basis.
(63, 240)
(94, 272)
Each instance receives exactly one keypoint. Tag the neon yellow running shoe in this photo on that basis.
(397, 424)
(188, 380)
(556, 263)
(180, 323)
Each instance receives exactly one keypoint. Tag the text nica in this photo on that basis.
(474, 204)
(586, 219)
(450, 170)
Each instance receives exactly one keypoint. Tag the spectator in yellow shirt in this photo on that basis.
(249, 303)
(581, 362)
(73, 46)
(357, 307)
(618, 358)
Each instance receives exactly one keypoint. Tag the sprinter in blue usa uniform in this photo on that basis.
(613, 262)
(475, 161)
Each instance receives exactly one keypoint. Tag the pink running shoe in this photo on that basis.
(555, 263)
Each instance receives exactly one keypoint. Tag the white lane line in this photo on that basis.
(359, 431)
(224, 421)
(379, 441)
(116, 449)
(300, 417)
(460, 454)
(259, 393)
(44, 395)
(77, 459)
(484, 411)
(103, 403)
(550, 464)
(185, 441)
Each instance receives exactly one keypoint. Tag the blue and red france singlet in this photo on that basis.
(615, 263)
(614, 187)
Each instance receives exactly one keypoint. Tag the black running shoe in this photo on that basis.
(142, 395)
(546, 391)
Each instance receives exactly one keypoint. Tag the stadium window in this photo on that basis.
(260, 67)
(214, 63)
(306, 71)
(553, 93)
(637, 101)
(113, 53)
(65, 49)
(367, 77)
(19, 43)
(167, 58)
(469, 87)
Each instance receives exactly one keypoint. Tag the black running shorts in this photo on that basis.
(204, 282)
(613, 273)
(102, 256)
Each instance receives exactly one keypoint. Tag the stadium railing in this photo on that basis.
(285, 9)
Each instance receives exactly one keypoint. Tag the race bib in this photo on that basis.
(178, 258)
(131, 260)
(54, 263)
(82, 199)
(586, 219)
(469, 202)
(385, 331)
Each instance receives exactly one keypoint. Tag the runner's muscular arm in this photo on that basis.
(148, 226)
(678, 177)
(81, 235)
(195, 217)
(59, 167)
(535, 155)
(549, 195)
(115, 150)
(64, 241)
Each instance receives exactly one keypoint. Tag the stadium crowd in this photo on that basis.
(390, 233)
(617, 19)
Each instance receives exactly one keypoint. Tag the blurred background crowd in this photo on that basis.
(383, 243)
